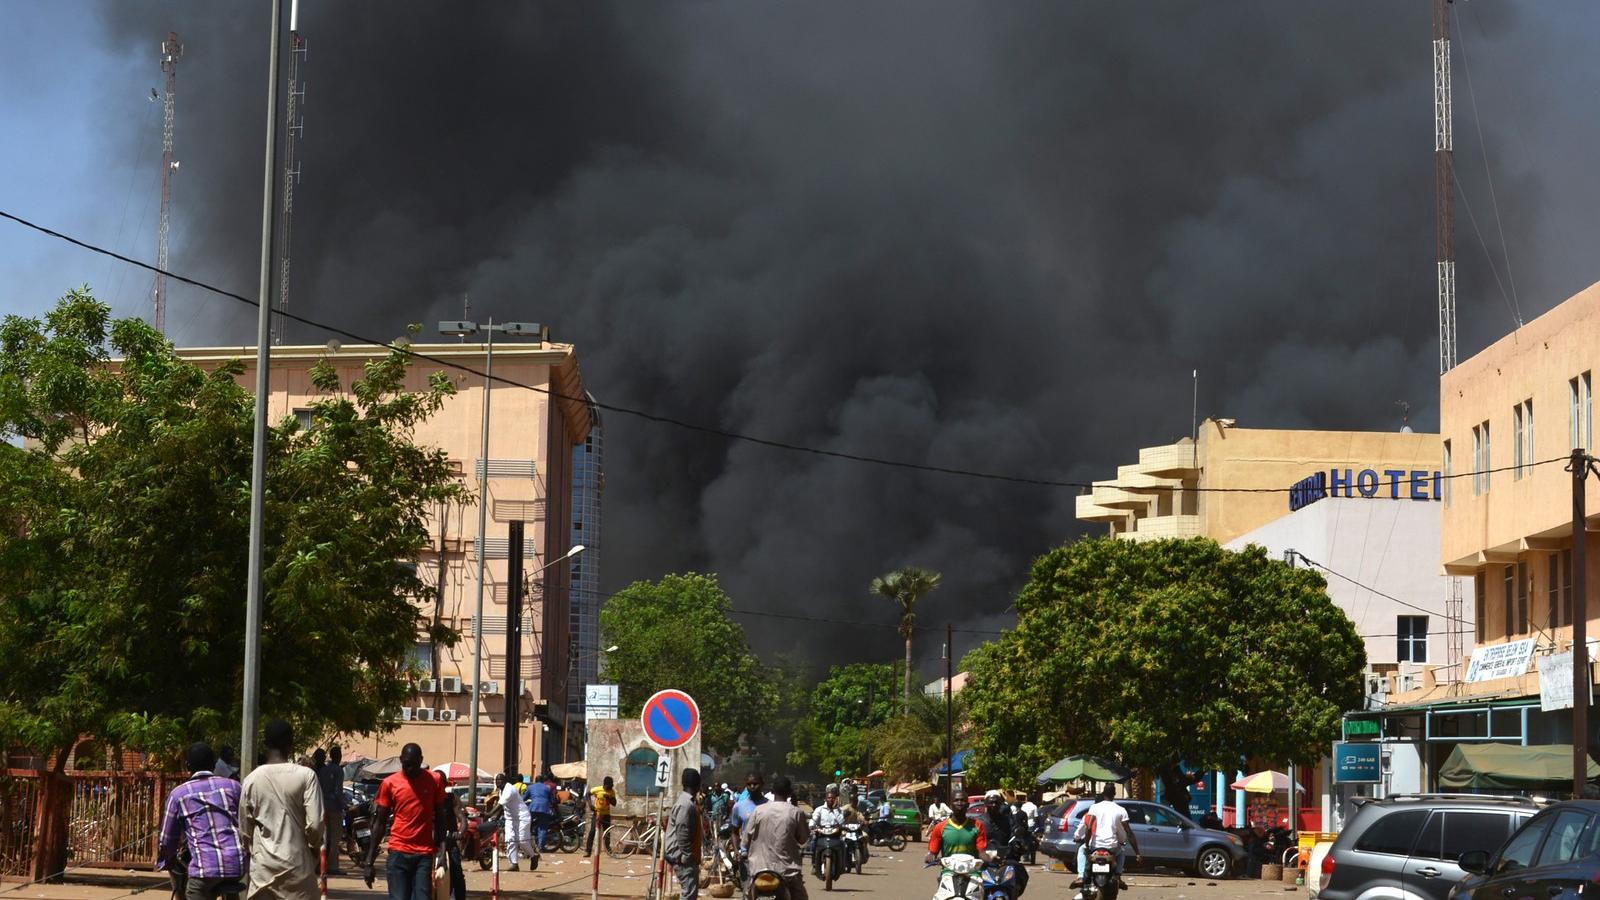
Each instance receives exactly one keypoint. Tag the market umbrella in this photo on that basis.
(1267, 782)
(579, 770)
(875, 773)
(379, 768)
(1080, 767)
(457, 772)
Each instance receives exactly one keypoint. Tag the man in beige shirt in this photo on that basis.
(281, 822)
(773, 837)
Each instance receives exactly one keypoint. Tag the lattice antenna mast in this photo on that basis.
(1444, 185)
(291, 165)
(171, 52)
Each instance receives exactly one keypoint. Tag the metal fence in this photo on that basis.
(115, 818)
(19, 809)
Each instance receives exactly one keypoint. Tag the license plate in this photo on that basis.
(363, 833)
(1100, 867)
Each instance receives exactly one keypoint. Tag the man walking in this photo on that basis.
(684, 834)
(752, 797)
(280, 821)
(599, 802)
(515, 822)
(330, 775)
(541, 809)
(202, 815)
(409, 808)
(774, 835)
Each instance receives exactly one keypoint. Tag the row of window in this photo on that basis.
(1580, 433)
(1516, 580)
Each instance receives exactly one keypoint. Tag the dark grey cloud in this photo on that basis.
(971, 235)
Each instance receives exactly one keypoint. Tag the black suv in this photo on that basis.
(1553, 855)
(1411, 845)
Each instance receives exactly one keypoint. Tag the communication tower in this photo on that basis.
(171, 52)
(291, 166)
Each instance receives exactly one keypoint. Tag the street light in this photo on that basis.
(454, 329)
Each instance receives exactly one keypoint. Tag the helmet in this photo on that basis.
(993, 795)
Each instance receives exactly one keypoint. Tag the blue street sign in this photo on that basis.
(670, 719)
(1357, 763)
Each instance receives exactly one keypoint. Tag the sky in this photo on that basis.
(961, 234)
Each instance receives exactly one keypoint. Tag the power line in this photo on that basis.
(1309, 561)
(683, 423)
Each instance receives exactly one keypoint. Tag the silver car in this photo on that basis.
(1166, 838)
(1408, 846)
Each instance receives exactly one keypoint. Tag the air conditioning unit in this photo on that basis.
(426, 685)
(527, 686)
(448, 715)
(450, 684)
(405, 713)
(488, 687)
(423, 714)
(1378, 685)
(1408, 681)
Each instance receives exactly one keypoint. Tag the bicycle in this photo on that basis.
(622, 841)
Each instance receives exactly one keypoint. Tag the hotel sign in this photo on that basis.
(1410, 484)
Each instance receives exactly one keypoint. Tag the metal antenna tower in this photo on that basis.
(171, 52)
(1444, 185)
(1454, 643)
(294, 126)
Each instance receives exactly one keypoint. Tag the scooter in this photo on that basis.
(855, 851)
(477, 842)
(565, 835)
(1100, 882)
(884, 833)
(766, 885)
(358, 831)
(829, 854)
(960, 878)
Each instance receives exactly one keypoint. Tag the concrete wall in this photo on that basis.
(1388, 545)
(610, 743)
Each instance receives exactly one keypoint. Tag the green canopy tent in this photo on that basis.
(1081, 768)
(1510, 767)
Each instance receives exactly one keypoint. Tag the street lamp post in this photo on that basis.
(566, 742)
(514, 691)
(489, 328)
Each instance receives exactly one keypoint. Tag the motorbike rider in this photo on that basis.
(1105, 826)
(855, 815)
(957, 834)
(1010, 835)
(828, 815)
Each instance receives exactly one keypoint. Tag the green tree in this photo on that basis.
(124, 540)
(676, 633)
(1151, 652)
(842, 710)
(905, 587)
(908, 746)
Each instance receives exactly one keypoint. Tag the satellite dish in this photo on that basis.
(334, 345)
(402, 341)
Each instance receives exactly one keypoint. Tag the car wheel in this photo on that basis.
(1213, 862)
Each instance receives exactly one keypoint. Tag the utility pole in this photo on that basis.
(258, 456)
(1579, 467)
(513, 692)
(949, 715)
(171, 52)
(294, 127)
(1444, 186)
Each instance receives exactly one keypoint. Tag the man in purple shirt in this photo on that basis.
(202, 818)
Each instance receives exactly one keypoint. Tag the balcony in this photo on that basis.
(1154, 528)
(1170, 461)
(1089, 511)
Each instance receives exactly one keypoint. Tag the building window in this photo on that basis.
(1522, 598)
(422, 656)
(1447, 473)
(1566, 587)
(1553, 592)
(1413, 634)
(306, 418)
(1521, 438)
(1480, 458)
(1580, 412)
(1480, 589)
(639, 778)
(1508, 576)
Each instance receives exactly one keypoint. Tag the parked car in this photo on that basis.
(1553, 854)
(1411, 846)
(1166, 838)
(907, 817)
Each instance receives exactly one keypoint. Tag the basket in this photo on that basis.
(1271, 872)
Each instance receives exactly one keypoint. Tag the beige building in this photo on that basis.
(1156, 497)
(529, 467)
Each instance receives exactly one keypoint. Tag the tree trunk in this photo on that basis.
(908, 674)
(1174, 788)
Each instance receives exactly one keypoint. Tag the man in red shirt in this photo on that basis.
(414, 800)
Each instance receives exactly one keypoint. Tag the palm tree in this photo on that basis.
(906, 586)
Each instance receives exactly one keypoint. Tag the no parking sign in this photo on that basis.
(670, 719)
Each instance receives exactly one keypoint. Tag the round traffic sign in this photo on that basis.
(670, 719)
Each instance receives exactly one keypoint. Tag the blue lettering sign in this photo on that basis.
(1367, 483)
(1394, 482)
(1419, 485)
(1357, 763)
(1318, 485)
(1338, 480)
(1308, 490)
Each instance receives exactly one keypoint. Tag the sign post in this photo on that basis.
(670, 719)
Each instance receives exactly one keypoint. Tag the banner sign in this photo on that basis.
(1500, 661)
(1357, 763)
(1555, 682)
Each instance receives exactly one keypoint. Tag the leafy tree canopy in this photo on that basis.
(676, 633)
(908, 746)
(123, 540)
(1162, 650)
(841, 711)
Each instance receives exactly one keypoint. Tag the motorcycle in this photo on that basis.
(358, 831)
(884, 833)
(960, 878)
(829, 855)
(855, 853)
(766, 885)
(1100, 882)
(1003, 879)
(566, 835)
(478, 841)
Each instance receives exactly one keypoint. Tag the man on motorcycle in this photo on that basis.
(1105, 827)
(1010, 835)
(828, 815)
(957, 834)
(775, 832)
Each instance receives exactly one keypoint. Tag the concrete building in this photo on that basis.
(1521, 403)
(530, 478)
(1156, 497)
